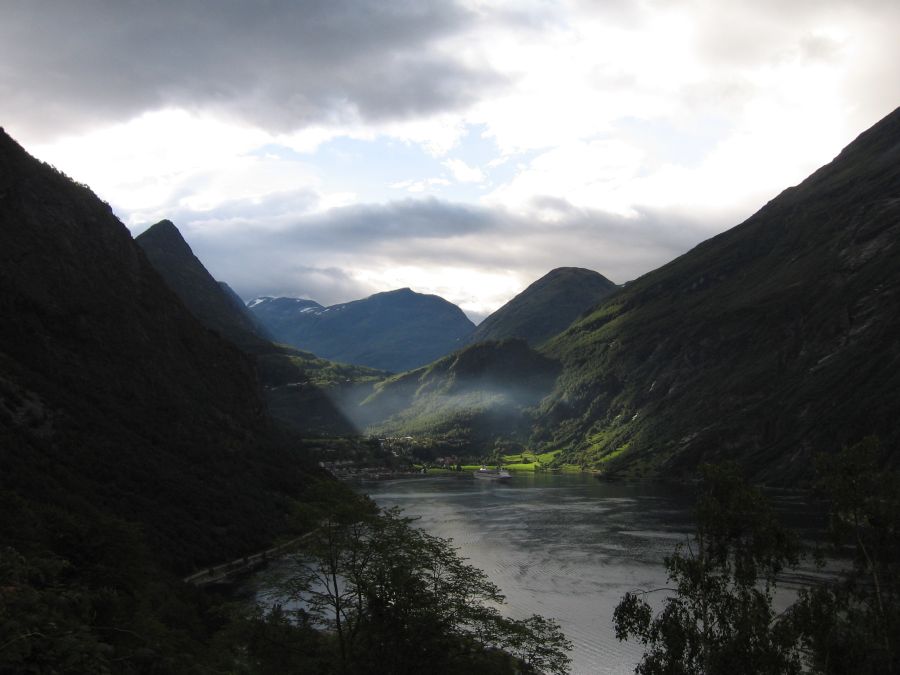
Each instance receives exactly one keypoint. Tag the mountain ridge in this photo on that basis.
(169, 253)
(546, 307)
(767, 343)
(467, 398)
(301, 391)
(395, 330)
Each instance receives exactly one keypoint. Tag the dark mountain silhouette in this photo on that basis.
(301, 390)
(239, 305)
(116, 405)
(393, 331)
(773, 341)
(546, 307)
(173, 258)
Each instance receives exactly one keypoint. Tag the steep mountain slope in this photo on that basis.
(301, 390)
(173, 258)
(768, 343)
(546, 307)
(116, 404)
(241, 307)
(394, 331)
(467, 398)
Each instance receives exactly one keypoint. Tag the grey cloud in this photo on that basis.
(276, 208)
(325, 285)
(367, 225)
(280, 64)
(316, 255)
(254, 265)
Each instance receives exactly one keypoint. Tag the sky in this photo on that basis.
(337, 148)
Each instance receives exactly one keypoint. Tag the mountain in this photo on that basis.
(127, 428)
(173, 258)
(546, 307)
(241, 307)
(395, 331)
(467, 398)
(302, 391)
(766, 344)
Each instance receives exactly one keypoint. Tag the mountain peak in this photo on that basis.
(395, 330)
(547, 307)
(172, 257)
(404, 292)
(165, 236)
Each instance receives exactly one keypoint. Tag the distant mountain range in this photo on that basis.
(395, 331)
(401, 330)
(546, 307)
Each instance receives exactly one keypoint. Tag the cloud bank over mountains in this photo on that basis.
(333, 149)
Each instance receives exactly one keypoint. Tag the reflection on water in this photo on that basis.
(564, 546)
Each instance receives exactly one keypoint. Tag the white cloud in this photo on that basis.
(591, 174)
(420, 186)
(463, 172)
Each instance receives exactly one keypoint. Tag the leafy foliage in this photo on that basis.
(852, 624)
(720, 618)
(400, 600)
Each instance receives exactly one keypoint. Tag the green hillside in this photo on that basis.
(469, 398)
(767, 343)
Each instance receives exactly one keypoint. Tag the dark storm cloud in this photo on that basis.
(280, 64)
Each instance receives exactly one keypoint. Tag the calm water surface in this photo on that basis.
(564, 546)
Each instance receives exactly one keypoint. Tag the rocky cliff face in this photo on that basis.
(768, 343)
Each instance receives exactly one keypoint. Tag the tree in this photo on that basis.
(852, 623)
(400, 600)
(720, 617)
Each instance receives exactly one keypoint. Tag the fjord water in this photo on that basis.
(564, 546)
